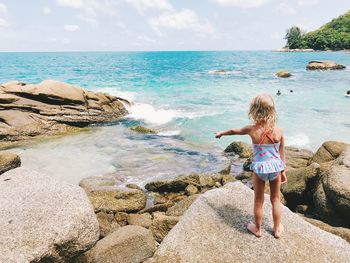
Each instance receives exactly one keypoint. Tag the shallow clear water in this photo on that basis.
(178, 94)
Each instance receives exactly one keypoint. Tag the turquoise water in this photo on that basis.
(179, 94)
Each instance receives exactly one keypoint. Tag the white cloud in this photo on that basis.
(184, 19)
(242, 3)
(287, 9)
(46, 10)
(71, 3)
(307, 2)
(3, 8)
(142, 5)
(3, 23)
(71, 28)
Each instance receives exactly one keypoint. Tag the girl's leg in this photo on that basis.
(259, 186)
(275, 198)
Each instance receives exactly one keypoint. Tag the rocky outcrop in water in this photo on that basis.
(43, 219)
(283, 74)
(52, 107)
(213, 229)
(324, 65)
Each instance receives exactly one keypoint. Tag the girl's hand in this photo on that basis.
(218, 135)
(283, 177)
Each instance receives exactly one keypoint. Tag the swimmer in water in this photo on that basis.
(278, 93)
(348, 94)
(291, 91)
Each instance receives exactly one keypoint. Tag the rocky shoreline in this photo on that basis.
(191, 218)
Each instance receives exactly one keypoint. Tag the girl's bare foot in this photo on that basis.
(253, 229)
(278, 231)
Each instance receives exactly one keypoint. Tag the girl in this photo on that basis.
(268, 159)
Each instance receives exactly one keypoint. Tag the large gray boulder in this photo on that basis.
(324, 65)
(42, 219)
(214, 230)
(52, 107)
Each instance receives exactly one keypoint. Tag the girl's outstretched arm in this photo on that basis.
(240, 131)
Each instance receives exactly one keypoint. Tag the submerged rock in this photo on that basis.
(214, 230)
(52, 107)
(42, 219)
(141, 129)
(9, 161)
(283, 74)
(324, 65)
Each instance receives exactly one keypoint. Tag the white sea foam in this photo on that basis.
(147, 113)
(298, 140)
(128, 95)
(224, 72)
(169, 133)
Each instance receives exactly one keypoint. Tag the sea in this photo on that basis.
(186, 96)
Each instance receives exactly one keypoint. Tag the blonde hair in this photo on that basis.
(262, 110)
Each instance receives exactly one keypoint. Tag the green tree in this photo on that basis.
(295, 38)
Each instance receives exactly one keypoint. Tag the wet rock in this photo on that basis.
(297, 158)
(95, 181)
(242, 149)
(43, 219)
(132, 244)
(9, 161)
(134, 186)
(227, 179)
(244, 175)
(283, 74)
(144, 130)
(175, 185)
(324, 65)
(52, 107)
(213, 229)
(121, 218)
(156, 208)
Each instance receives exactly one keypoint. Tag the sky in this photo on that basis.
(156, 25)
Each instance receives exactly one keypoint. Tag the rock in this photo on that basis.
(95, 181)
(242, 149)
(9, 161)
(121, 218)
(116, 199)
(43, 219)
(129, 244)
(336, 184)
(191, 189)
(329, 151)
(162, 224)
(50, 108)
(206, 181)
(107, 223)
(144, 130)
(227, 179)
(297, 158)
(324, 65)
(156, 208)
(342, 232)
(162, 198)
(246, 165)
(283, 74)
(302, 209)
(244, 175)
(175, 185)
(135, 186)
(144, 220)
(180, 207)
(213, 229)
(300, 181)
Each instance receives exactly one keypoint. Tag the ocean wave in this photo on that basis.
(147, 113)
(169, 133)
(128, 95)
(298, 140)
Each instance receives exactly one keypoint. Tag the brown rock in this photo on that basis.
(162, 224)
(107, 223)
(297, 158)
(242, 149)
(180, 207)
(191, 189)
(324, 65)
(121, 218)
(329, 151)
(9, 161)
(144, 220)
(175, 185)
